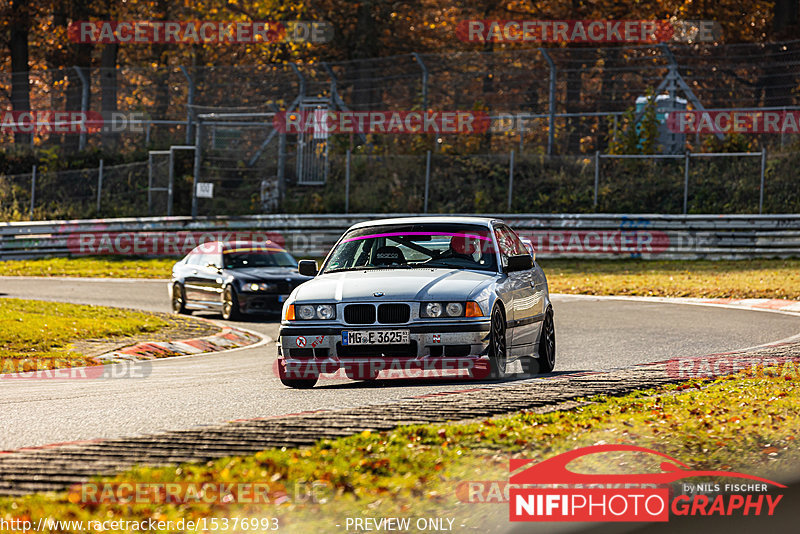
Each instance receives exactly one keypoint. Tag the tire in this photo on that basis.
(230, 304)
(296, 383)
(547, 344)
(299, 383)
(179, 300)
(498, 350)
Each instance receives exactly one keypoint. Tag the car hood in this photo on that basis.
(395, 284)
(252, 274)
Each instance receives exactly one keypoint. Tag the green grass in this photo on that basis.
(776, 279)
(91, 266)
(44, 331)
(745, 423)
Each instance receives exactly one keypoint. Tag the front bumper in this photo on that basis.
(453, 348)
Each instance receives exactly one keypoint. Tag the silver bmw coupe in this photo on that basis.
(417, 297)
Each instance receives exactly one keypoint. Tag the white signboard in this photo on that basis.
(205, 190)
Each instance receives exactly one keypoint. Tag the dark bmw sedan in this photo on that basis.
(234, 278)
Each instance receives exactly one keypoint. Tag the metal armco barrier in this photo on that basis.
(567, 235)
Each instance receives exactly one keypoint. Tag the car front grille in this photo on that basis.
(386, 313)
(394, 313)
(359, 314)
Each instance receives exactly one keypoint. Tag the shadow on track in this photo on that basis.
(437, 381)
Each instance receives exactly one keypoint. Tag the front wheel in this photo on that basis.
(497, 345)
(230, 304)
(296, 383)
(547, 344)
(179, 300)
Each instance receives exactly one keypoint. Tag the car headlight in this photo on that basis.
(454, 309)
(433, 309)
(258, 286)
(326, 311)
(309, 312)
(450, 309)
(305, 312)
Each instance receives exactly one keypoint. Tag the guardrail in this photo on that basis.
(566, 235)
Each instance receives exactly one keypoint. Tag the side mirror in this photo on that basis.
(519, 262)
(308, 267)
(529, 245)
(213, 267)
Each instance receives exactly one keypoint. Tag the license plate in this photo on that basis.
(375, 337)
(282, 298)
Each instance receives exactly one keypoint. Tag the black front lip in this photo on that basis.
(414, 329)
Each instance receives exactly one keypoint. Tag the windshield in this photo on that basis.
(452, 246)
(241, 258)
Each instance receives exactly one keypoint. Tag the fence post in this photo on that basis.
(596, 176)
(686, 157)
(33, 190)
(427, 179)
(171, 182)
(84, 104)
(552, 106)
(763, 170)
(189, 104)
(149, 183)
(347, 183)
(198, 159)
(510, 179)
(99, 184)
(281, 168)
(424, 80)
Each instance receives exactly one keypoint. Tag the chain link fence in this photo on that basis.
(107, 191)
(575, 92)
(435, 183)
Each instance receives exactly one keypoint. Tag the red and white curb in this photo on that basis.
(229, 338)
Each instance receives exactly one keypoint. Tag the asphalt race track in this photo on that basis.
(593, 334)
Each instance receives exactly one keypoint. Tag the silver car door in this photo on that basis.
(510, 291)
(527, 304)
